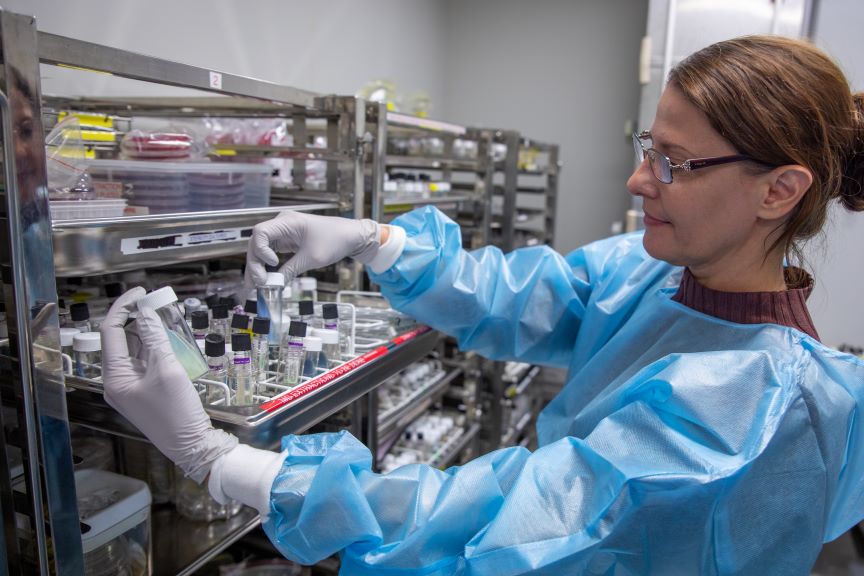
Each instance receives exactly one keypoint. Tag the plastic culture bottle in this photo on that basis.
(260, 347)
(308, 288)
(219, 322)
(292, 354)
(164, 302)
(241, 370)
(88, 354)
(312, 346)
(80, 315)
(217, 362)
(270, 306)
(200, 324)
(239, 324)
(330, 355)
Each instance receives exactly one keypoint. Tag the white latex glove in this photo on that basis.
(154, 393)
(316, 241)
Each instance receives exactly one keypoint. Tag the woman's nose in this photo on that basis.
(642, 182)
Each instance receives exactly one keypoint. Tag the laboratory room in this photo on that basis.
(432, 287)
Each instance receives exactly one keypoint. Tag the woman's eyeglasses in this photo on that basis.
(662, 167)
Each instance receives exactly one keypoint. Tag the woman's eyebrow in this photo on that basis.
(670, 148)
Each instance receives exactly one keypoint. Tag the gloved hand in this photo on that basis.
(316, 241)
(154, 393)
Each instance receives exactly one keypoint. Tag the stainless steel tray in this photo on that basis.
(291, 412)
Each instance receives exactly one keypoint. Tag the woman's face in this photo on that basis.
(706, 218)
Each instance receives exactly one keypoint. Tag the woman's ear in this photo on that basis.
(786, 186)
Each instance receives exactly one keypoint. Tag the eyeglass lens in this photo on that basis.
(659, 163)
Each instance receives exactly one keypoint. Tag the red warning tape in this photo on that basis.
(341, 370)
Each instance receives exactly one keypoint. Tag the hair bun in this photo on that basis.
(852, 186)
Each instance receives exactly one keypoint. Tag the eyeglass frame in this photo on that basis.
(686, 165)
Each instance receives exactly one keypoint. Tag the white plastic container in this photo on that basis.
(81, 209)
(115, 523)
(165, 187)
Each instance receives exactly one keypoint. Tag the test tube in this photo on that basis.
(307, 312)
(240, 324)
(330, 355)
(66, 336)
(330, 312)
(270, 306)
(312, 346)
(219, 322)
(241, 369)
(217, 362)
(260, 347)
(308, 288)
(292, 354)
(200, 324)
(80, 315)
(87, 347)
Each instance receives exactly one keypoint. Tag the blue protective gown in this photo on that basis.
(681, 443)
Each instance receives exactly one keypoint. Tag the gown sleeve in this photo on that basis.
(527, 305)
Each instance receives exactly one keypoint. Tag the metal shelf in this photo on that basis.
(450, 452)
(182, 546)
(264, 425)
(401, 416)
(424, 201)
(106, 245)
(413, 122)
(517, 430)
(432, 163)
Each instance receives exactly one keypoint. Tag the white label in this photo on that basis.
(216, 80)
(171, 241)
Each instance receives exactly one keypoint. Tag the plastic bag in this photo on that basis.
(68, 178)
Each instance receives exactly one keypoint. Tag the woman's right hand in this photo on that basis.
(316, 241)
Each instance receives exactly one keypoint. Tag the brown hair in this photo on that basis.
(784, 101)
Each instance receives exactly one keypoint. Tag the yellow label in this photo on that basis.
(226, 152)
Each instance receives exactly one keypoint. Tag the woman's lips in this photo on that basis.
(652, 221)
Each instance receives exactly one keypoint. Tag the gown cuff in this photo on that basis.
(390, 251)
(245, 474)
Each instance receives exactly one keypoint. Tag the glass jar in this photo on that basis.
(87, 347)
(193, 501)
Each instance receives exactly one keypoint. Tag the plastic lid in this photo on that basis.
(113, 289)
(274, 279)
(308, 283)
(128, 507)
(261, 325)
(191, 303)
(212, 300)
(158, 298)
(200, 319)
(220, 312)
(251, 307)
(87, 342)
(330, 311)
(241, 342)
(66, 335)
(214, 345)
(297, 329)
(79, 312)
(240, 321)
(327, 336)
(313, 343)
(307, 308)
(230, 300)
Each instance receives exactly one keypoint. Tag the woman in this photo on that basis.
(703, 429)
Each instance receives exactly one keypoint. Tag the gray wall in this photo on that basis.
(329, 46)
(564, 71)
(837, 258)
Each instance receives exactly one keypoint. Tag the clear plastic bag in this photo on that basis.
(66, 163)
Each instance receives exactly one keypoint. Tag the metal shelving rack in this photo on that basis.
(41, 527)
